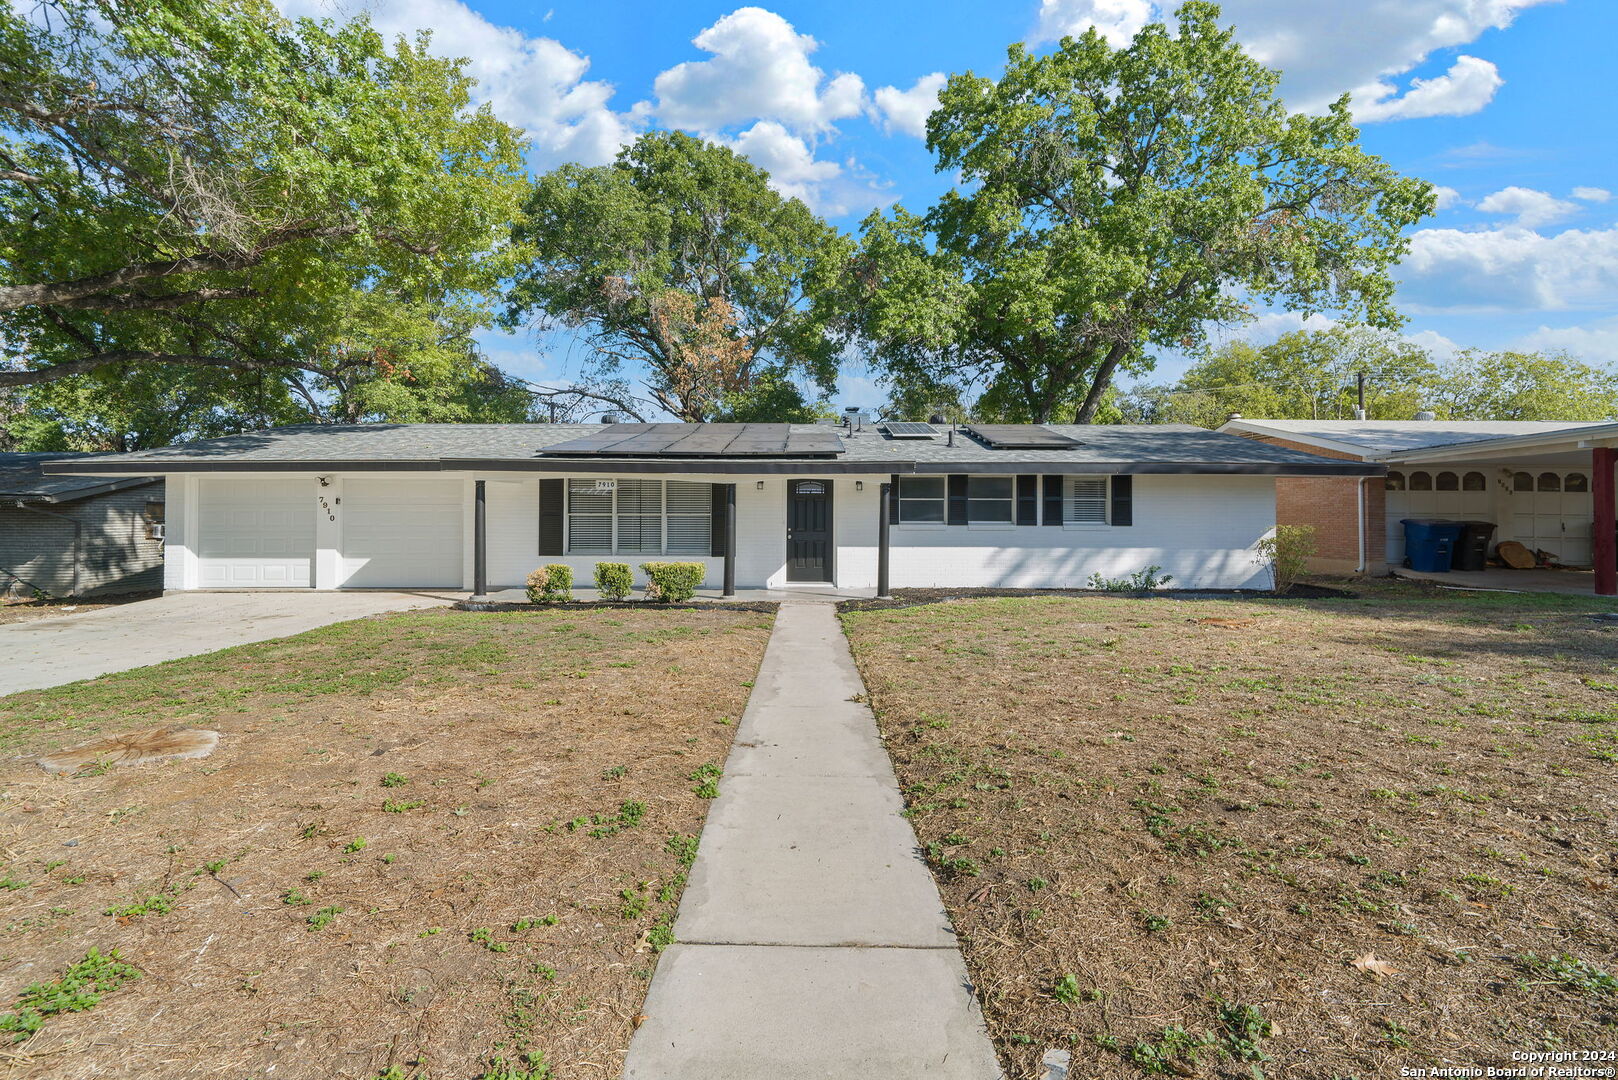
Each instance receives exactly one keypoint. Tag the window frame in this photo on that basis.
(1106, 501)
(615, 515)
(974, 501)
(942, 499)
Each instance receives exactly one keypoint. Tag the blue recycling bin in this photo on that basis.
(1430, 543)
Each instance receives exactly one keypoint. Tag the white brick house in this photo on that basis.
(397, 506)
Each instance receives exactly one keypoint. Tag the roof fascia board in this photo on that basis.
(1579, 438)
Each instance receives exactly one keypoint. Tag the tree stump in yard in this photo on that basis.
(132, 748)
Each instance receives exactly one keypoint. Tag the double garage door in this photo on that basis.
(394, 534)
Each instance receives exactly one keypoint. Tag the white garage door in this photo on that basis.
(1553, 511)
(256, 534)
(402, 534)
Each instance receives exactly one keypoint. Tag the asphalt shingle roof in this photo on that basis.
(1156, 448)
(21, 477)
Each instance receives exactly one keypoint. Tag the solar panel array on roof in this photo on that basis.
(698, 441)
(908, 430)
(1020, 437)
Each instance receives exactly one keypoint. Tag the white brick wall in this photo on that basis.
(1201, 529)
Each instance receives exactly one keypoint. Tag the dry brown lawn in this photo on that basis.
(427, 841)
(1326, 838)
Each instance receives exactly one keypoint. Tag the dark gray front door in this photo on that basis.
(809, 548)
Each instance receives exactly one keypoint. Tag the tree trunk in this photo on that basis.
(1099, 383)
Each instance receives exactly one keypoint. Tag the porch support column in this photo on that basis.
(1606, 549)
(480, 542)
(883, 545)
(730, 540)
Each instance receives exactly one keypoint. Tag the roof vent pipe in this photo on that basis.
(1234, 416)
(1426, 414)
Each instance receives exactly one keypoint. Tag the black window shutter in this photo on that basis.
(957, 499)
(550, 517)
(893, 499)
(1053, 500)
(1027, 500)
(1123, 500)
(716, 525)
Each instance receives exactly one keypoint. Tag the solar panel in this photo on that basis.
(699, 441)
(1021, 437)
(909, 430)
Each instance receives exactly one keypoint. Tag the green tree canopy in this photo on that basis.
(681, 259)
(1302, 375)
(1116, 199)
(267, 219)
(1313, 375)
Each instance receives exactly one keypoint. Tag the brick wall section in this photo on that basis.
(1329, 503)
(117, 556)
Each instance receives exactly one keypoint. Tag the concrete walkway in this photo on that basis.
(48, 652)
(812, 942)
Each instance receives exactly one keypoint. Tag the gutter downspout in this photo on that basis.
(78, 536)
(1359, 520)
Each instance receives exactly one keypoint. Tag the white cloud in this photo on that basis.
(1594, 343)
(535, 83)
(827, 187)
(1446, 197)
(1531, 208)
(760, 70)
(1468, 86)
(1326, 48)
(1592, 194)
(1117, 20)
(907, 110)
(1508, 268)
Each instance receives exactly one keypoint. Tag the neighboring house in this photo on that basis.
(1535, 480)
(397, 506)
(65, 535)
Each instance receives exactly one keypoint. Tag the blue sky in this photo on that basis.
(1507, 105)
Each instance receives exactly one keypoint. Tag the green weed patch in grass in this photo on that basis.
(81, 987)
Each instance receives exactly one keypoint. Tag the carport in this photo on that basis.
(1545, 485)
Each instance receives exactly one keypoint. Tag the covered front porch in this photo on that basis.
(1552, 492)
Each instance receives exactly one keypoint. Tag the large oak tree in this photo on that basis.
(679, 263)
(1113, 200)
(296, 220)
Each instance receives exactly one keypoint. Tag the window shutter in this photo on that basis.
(957, 499)
(1053, 500)
(550, 517)
(717, 522)
(1123, 500)
(893, 499)
(1027, 500)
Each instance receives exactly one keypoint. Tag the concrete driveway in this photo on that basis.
(48, 652)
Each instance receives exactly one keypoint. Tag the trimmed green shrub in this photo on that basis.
(550, 584)
(613, 581)
(672, 582)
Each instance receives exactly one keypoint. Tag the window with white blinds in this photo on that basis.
(1086, 501)
(639, 517)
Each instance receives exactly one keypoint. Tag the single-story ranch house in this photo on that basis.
(66, 535)
(1541, 483)
(762, 505)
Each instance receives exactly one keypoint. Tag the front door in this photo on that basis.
(809, 550)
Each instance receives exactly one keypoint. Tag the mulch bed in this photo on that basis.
(426, 841)
(905, 598)
(1348, 836)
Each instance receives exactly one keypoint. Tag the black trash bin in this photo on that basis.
(1472, 553)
